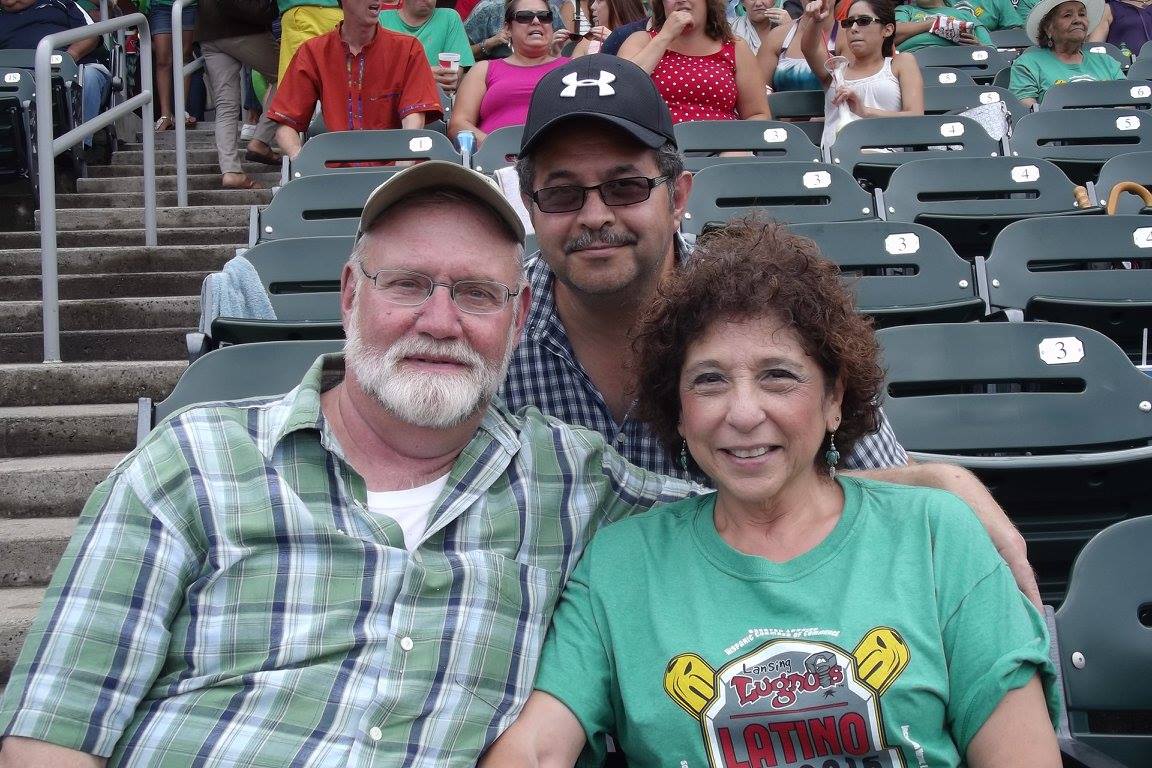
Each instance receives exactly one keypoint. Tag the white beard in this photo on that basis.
(431, 400)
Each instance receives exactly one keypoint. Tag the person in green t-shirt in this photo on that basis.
(793, 617)
(1060, 28)
(934, 22)
(439, 30)
(993, 14)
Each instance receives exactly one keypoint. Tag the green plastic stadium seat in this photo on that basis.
(1131, 166)
(701, 141)
(1110, 93)
(329, 152)
(500, 149)
(1053, 418)
(789, 191)
(980, 61)
(900, 273)
(805, 107)
(1080, 141)
(941, 99)
(324, 205)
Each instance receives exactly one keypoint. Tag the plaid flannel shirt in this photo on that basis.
(227, 599)
(545, 373)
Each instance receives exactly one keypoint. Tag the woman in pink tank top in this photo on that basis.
(701, 69)
(495, 93)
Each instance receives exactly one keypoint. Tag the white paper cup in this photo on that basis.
(450, 60)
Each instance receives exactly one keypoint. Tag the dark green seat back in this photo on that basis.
(900, 273)
(328, 152)
(860, 145)
(786, 190)
(17, 120)
(804, 106)
(1080, 141)
(1063, 445)
(701, 141)
(243, 371)
(980, 61)
(1105, 633)
(500, 149)
(323, 205)
(1072, 270)
(1131, 166)
(941, 99)
(1109, 93)
(969, 200)
(946, 76)
(1016, 37)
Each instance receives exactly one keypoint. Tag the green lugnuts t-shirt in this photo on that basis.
(993, 14)
(925, 39)
(442, 33)
(899, 633)
(1038, 69)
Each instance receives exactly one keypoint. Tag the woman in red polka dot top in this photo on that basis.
(701, 69)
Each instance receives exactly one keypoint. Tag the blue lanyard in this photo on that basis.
(359, 93)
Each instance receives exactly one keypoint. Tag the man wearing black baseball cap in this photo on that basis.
(605, 187)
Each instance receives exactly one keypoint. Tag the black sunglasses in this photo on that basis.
(526, 17)
(570, 197)
(860, 21)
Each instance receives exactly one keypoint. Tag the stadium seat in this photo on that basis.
(942, 99)
(804, 107)
(235, 373)
(1103, 631)
(982, 62)
(900, 273)
(871, 149)
(315, 206)
(1071, 270)
(785, 190)
(1080, 141)
(969, 200)
(1015, 38)
(701, 141)
(1052, 417)
(302, 278)
(500, 149)
(1109, 49)
(946, 76)
(1131, 166)
(1109, 93)
(17, 127)
(343, 151)
(67, 98)
(1141, 69)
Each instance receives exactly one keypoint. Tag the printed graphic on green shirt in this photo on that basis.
(791, 701)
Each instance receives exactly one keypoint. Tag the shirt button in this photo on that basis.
(406, 643)
(621, 438)
(375, 733)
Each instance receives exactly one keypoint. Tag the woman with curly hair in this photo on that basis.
(795, 616)
(700, 68)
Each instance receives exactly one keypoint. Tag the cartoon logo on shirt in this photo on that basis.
(790, 702)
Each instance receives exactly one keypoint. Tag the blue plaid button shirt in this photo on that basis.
(545, 373)
(228, 600)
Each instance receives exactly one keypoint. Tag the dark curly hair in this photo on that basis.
(748, 269)
(715, 22)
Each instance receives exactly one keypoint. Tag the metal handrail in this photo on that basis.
(178, 99)
(117, 93)
(48, 148)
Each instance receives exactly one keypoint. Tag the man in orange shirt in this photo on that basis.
(364, 77)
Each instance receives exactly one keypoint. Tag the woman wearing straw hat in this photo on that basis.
(1060, 28)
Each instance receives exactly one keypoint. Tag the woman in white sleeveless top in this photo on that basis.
(878, 82)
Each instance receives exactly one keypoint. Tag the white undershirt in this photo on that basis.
(410, 509)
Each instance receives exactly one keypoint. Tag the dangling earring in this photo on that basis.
(832, 456)
(684, 455)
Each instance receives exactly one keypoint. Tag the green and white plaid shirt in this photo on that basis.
(227, 599)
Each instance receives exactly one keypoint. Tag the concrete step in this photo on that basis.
(214, 197)
(30, 549)
(196, 154)
(76, 383)
(204, 126)
(51, 486)
(205, 235)
(18, 608)
(72, 219)
(108, 345)
(116, 285)
(43, 430)
(167, 140)
(204, 181)
(134, 258)
(100, 314)
(168, 169)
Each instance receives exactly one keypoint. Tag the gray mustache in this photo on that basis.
(603, 237)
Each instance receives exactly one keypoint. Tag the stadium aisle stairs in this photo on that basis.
(124, 311)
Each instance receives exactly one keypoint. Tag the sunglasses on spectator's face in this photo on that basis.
(526, 17)
(860, 21)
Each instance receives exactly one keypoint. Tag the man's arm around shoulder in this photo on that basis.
(19, 752)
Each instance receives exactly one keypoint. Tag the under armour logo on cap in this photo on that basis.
(572, 81)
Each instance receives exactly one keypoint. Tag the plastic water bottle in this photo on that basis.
(466, 140)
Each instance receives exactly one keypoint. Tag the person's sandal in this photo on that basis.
(258, 157)
(246, 184)
(165, 123)
(189, 121)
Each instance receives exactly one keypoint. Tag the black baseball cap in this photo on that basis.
(603, 87)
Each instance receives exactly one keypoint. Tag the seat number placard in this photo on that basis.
(1061, 350)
